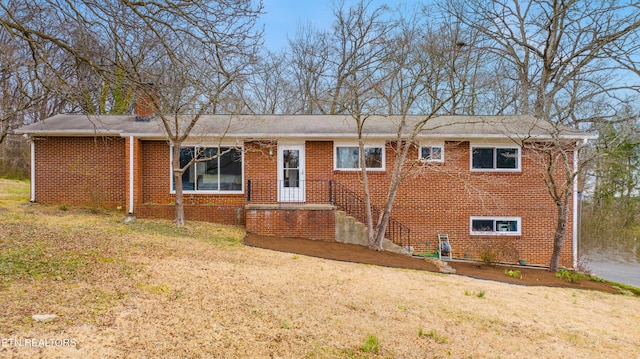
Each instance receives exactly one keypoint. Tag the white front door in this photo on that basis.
(291, 179)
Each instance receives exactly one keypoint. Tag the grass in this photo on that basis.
(150, 289)
(13, 191)
(85, 257)
(626, 289)
(34, 261)
(479, 294)
(438, 338)
(371, 345)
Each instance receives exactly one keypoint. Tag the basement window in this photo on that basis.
(496, 225)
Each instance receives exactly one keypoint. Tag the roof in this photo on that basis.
(313, 127)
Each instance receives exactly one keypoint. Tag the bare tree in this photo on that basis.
(418, 77)
(310, 63)
(389, 66)
(191, 51)
(268, 89)
(357, 63)
(560, 57)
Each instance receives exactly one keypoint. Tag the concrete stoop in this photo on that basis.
(348, 230)
(442, 266)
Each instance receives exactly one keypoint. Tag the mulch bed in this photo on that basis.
(361, 254)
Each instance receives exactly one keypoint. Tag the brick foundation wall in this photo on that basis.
(80, 171)
(231, 215)
(298, 221)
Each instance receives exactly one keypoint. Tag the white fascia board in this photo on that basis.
(71, 133)
(350, 136)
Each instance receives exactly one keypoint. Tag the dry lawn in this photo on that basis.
(149, 290)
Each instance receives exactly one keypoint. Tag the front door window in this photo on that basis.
(291, 180)
(291, 168)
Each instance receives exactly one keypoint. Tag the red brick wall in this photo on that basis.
(298, 223)
(80, 171)
(232, 215)
(435, 198)
(441, 198)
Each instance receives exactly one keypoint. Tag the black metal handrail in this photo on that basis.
(348, 201)
(270, 192)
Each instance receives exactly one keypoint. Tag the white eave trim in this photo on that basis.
(313, 136)
(72, 134)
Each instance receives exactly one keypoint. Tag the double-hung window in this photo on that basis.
(496, 225)
(495, 158)
(347, 157)
(432, 152)
(212, 169)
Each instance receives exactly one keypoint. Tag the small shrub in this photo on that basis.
(513, 273)
(63, 207)
(372, 345)
(480, 294)
(571, 276)
(488, 256)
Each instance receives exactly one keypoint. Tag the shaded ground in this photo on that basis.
(361, 254)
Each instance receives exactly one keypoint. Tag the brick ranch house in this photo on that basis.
(293, 175)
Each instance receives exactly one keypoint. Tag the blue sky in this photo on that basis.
(282, 17)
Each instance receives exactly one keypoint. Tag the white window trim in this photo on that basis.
(431, 145)
(173, 191)
(496, 145)
(355, 144)
(496, 233)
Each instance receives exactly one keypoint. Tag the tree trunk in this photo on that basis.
(396, 178)
(367, 193)
(561, 230)
(177, 180)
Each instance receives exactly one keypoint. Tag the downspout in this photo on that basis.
(33, 170)
(576, 213)
(131, 187)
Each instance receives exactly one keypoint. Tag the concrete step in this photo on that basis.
(349, 230)
(442, 266)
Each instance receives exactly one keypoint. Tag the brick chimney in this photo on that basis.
(145, 107)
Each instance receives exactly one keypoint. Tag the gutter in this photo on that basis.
(576, 213)
(352, 136)
(33, 170)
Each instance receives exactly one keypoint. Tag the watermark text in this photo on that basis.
(37, 342)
